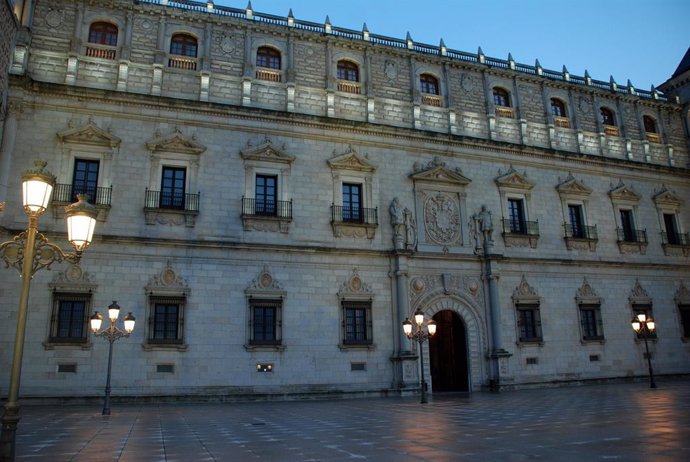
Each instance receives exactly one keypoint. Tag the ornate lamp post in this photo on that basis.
(645, 325)
(28, 252)
(420, 336)
(111, 333)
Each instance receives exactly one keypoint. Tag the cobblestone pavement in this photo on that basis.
(623, 422)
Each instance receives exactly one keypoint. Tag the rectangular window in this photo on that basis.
(85, 179)
(576, 218)
(628, 225)
(265, 319)
(352, 203)
(357, 323)
(266, 195)
(70, 314)
(685, 320)
(166, 322)
(671, 227)
(529, 323)
(173, 188)
(516, 216)
(590, 318)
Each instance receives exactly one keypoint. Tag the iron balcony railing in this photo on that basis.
(632, 235)
(437, 50)
(580, 232)
(520, 227)
(172, 201)
(674, 238)
(279, 209)
(361, 215)
(68, 193)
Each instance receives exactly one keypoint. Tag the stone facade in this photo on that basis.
(439, 181)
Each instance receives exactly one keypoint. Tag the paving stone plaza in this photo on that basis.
(624, 422)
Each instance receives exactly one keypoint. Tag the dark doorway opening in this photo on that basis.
(448, 354)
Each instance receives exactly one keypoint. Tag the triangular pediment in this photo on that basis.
(573, 187)
(666, 197)
(351, 160)
(176, 142)
(441, 175)
(514, 180)
(89, 134)
(624, 193)
(268, 153)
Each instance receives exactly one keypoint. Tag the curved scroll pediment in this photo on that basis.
(89, 134)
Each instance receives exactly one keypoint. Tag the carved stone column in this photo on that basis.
(9, 136)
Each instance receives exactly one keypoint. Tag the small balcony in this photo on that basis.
(632, 240)
(354, 222)
(520, 233)
(347, 86)
(675, 243)
(266, 215)
(653, 137)
(611, 130)
(270, 75)
(66, 194)
(562, 122)
(181, 62)
(100, 51)
(431, 100)
(171, 208)
(580, 237)
(504, 111)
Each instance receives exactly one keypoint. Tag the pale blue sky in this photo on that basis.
(630, 39)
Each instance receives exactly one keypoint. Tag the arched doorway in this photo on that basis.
(448, 353)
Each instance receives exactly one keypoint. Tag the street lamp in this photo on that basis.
(111, 333)
(28, 252)
(645, 325)
(420, 336)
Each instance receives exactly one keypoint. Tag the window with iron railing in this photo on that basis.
(590, 320)
(529, 323)
(279, 209)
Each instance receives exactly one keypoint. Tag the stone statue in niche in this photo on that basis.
(398, 222)
(410, 230)
(482, 228)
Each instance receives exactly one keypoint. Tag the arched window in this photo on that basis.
(347, 70)
(501, 97)
(183, 45)
(103, 33)
(268, 57)
(607, 117)
(558, 108)
(428, 84)
(649, 124)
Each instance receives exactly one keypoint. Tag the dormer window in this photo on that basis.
(428, 85)
(650, 129)
(268, 63)
(102, 40)
(348, 77)
(184, 48)
(502, 102)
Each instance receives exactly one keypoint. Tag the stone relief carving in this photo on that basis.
(54, 18)
(227, 44)
(265, 282)
(442, 218)
(447, 283)
(355, 287)
(467, 82)
(586, 294)
(167, 281)
(638, 291)
(584, 105)
(524, 289)
(73, 279)
(390, 70)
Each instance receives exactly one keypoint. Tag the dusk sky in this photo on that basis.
(643, 41)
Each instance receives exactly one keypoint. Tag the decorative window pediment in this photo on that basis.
(512, 180)
(623, 193)
(571, 187)
(168, 283)
(89, 134)
(266, 152)
(666, 197)
(176, 142)
(265, 286)
(586, 295)
(355, 289)
(73, 279)
(437, 172)
(525, 293)
(639, 296)
(351, 160)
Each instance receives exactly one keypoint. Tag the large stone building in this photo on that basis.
(275, 197)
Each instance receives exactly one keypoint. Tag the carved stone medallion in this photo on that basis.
(442, 219)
